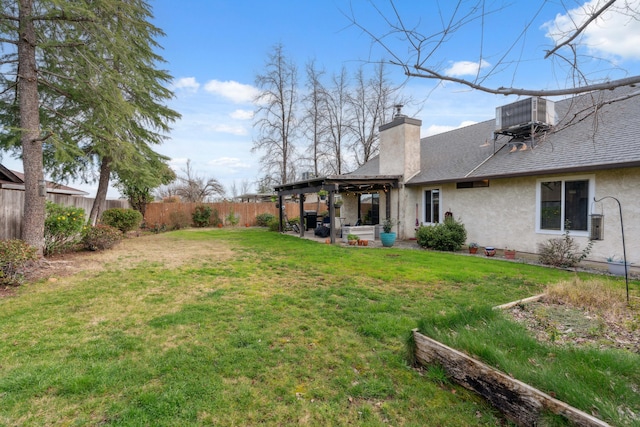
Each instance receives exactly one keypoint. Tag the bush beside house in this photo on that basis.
(447, 236)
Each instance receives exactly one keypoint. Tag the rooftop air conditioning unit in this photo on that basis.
(524, 113)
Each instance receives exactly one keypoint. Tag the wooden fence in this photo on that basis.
(12, 209)
(160, 213)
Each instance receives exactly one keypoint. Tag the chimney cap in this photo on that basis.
(398, 108)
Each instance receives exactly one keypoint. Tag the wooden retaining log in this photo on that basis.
(518, 401)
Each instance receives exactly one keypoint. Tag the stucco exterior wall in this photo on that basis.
(407, 227)
(623, 184)
(501, 215)
(400, 149)
(504, 214)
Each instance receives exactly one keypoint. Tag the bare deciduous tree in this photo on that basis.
(312, 123)
(276, 115)
(245, 186)
(192, 188)
(370, 106)
(265, 184)
(337, 121)
(420, 52)
(237, 190)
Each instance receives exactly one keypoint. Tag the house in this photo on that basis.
(254, 198)
(12, 180)
(511, 184)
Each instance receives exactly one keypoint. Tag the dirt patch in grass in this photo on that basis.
(133, 250)
(583, 313)
(6, 291)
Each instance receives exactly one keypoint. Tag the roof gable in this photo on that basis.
(7, 176)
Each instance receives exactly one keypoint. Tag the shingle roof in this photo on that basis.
(372, 167)
(578, 142)
(15, 179)
(9, 177)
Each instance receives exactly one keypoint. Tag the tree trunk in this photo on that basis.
(34, 201)
(101, 195)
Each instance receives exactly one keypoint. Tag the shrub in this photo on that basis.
(157, 227)
(447, 236)
(562, 251)
(264, 219)
(179, 220)
(15, 257)
(122, 219)
(201, 216)
(274, 224)
(101, 237)
(216, 221)
(62, 227)
(232, 218)
(388, 224)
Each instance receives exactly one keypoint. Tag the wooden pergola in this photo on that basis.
(334, 185)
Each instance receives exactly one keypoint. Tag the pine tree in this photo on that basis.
(83, 84)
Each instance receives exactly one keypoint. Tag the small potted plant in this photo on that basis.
(323, 194)
(388, 237)
(509, 253)
(489, 250)
(352, 239)
(473, 247)
(617, 266)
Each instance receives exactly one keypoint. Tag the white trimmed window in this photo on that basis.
(432, 205)
(564, 202)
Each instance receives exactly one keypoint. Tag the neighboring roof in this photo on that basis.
(578, 142)
(14, 180)
(255, 197)
(8, 177)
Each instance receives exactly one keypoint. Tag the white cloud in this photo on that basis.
(615, 33)
(229, 162)
(465, 68)
(242, 114)
(234, 91)
(231, 129)
(188, 83)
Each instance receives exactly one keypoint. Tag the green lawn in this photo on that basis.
(279, 331)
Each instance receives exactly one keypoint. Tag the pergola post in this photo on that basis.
(387, 202)
(302, 219)
(332, 214)
(280, 218)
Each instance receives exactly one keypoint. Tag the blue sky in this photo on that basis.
(215, 48)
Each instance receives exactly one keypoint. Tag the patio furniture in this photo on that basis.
(365, 232)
